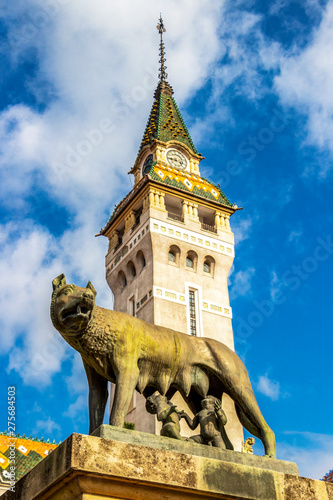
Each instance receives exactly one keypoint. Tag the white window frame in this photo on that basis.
(198, 307)
(130, 305)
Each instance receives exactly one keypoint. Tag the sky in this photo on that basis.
(253, 81)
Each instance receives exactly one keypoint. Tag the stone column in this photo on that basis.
(160, 154)
(185, 209)
(137, 176)
(227, 222)
(156, 199)
(151, 198)
(113, 241)
(145, 203)
(162, 201)
(129, 221)
(219, 220)
(190, 211)
(222, 221)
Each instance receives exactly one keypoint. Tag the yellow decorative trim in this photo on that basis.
(189, 179)
(179, 298)
(188, 235)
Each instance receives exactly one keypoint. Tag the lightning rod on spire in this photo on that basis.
(162, 75)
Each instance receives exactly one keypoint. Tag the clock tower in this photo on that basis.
(170, 243)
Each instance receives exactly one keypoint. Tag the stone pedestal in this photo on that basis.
(125, 464)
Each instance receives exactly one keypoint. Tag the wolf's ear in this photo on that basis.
(59, 282)
(89, 285)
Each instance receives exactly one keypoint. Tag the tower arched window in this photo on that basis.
(141, 261)
(131, 271)
(147, 164)
(191, 260)
(174, 255)
(122, 280)
(209, 265)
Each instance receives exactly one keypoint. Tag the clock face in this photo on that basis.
(176, 159)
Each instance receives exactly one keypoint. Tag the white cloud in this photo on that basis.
(240, 67)
(314, 456)
(94, 62)
(102, 65)
(49, 426)
(268, 387)
(30, 258)
(256, 67)
(241, 228)
(77, 386)
(25, 302)
(241, 282)
(77, 381)
(295, 235)
(295, 239)
(77, 408)
(305, 83)
(276, 286)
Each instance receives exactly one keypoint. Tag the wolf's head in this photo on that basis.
(71, 306)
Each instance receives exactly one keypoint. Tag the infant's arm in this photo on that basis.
(191, 423)
(222, 418)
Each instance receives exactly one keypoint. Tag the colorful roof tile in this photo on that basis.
(165, 122)
(188, 182)
(178, 179)
(28, 453)
(328, 478)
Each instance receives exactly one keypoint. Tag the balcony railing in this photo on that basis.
(208, 227)
(136, 223)
(120, 242)
(178, 217)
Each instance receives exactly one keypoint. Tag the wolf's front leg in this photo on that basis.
(98, 395)
(125, 387)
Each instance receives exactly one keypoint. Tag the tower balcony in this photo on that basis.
(177, 217)
(208, 227)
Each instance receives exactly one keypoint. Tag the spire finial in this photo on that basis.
(162, 75)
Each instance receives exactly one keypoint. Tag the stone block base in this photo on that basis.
(95, 468)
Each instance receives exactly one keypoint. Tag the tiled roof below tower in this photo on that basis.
(188, 182)
(28, 453)
(328, 478)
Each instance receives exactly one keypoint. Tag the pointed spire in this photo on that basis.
(162, 73)
(163, 85)
(165, 122)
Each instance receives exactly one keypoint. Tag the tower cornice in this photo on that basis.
(143, 187)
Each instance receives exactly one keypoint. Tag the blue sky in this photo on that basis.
(254, 83)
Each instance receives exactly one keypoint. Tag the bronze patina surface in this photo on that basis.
(167, 413)
(136, 355)
(211, 420)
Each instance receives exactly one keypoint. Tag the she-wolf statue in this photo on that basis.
(136, 355)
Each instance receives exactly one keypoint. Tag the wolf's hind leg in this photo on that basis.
(255, 423)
